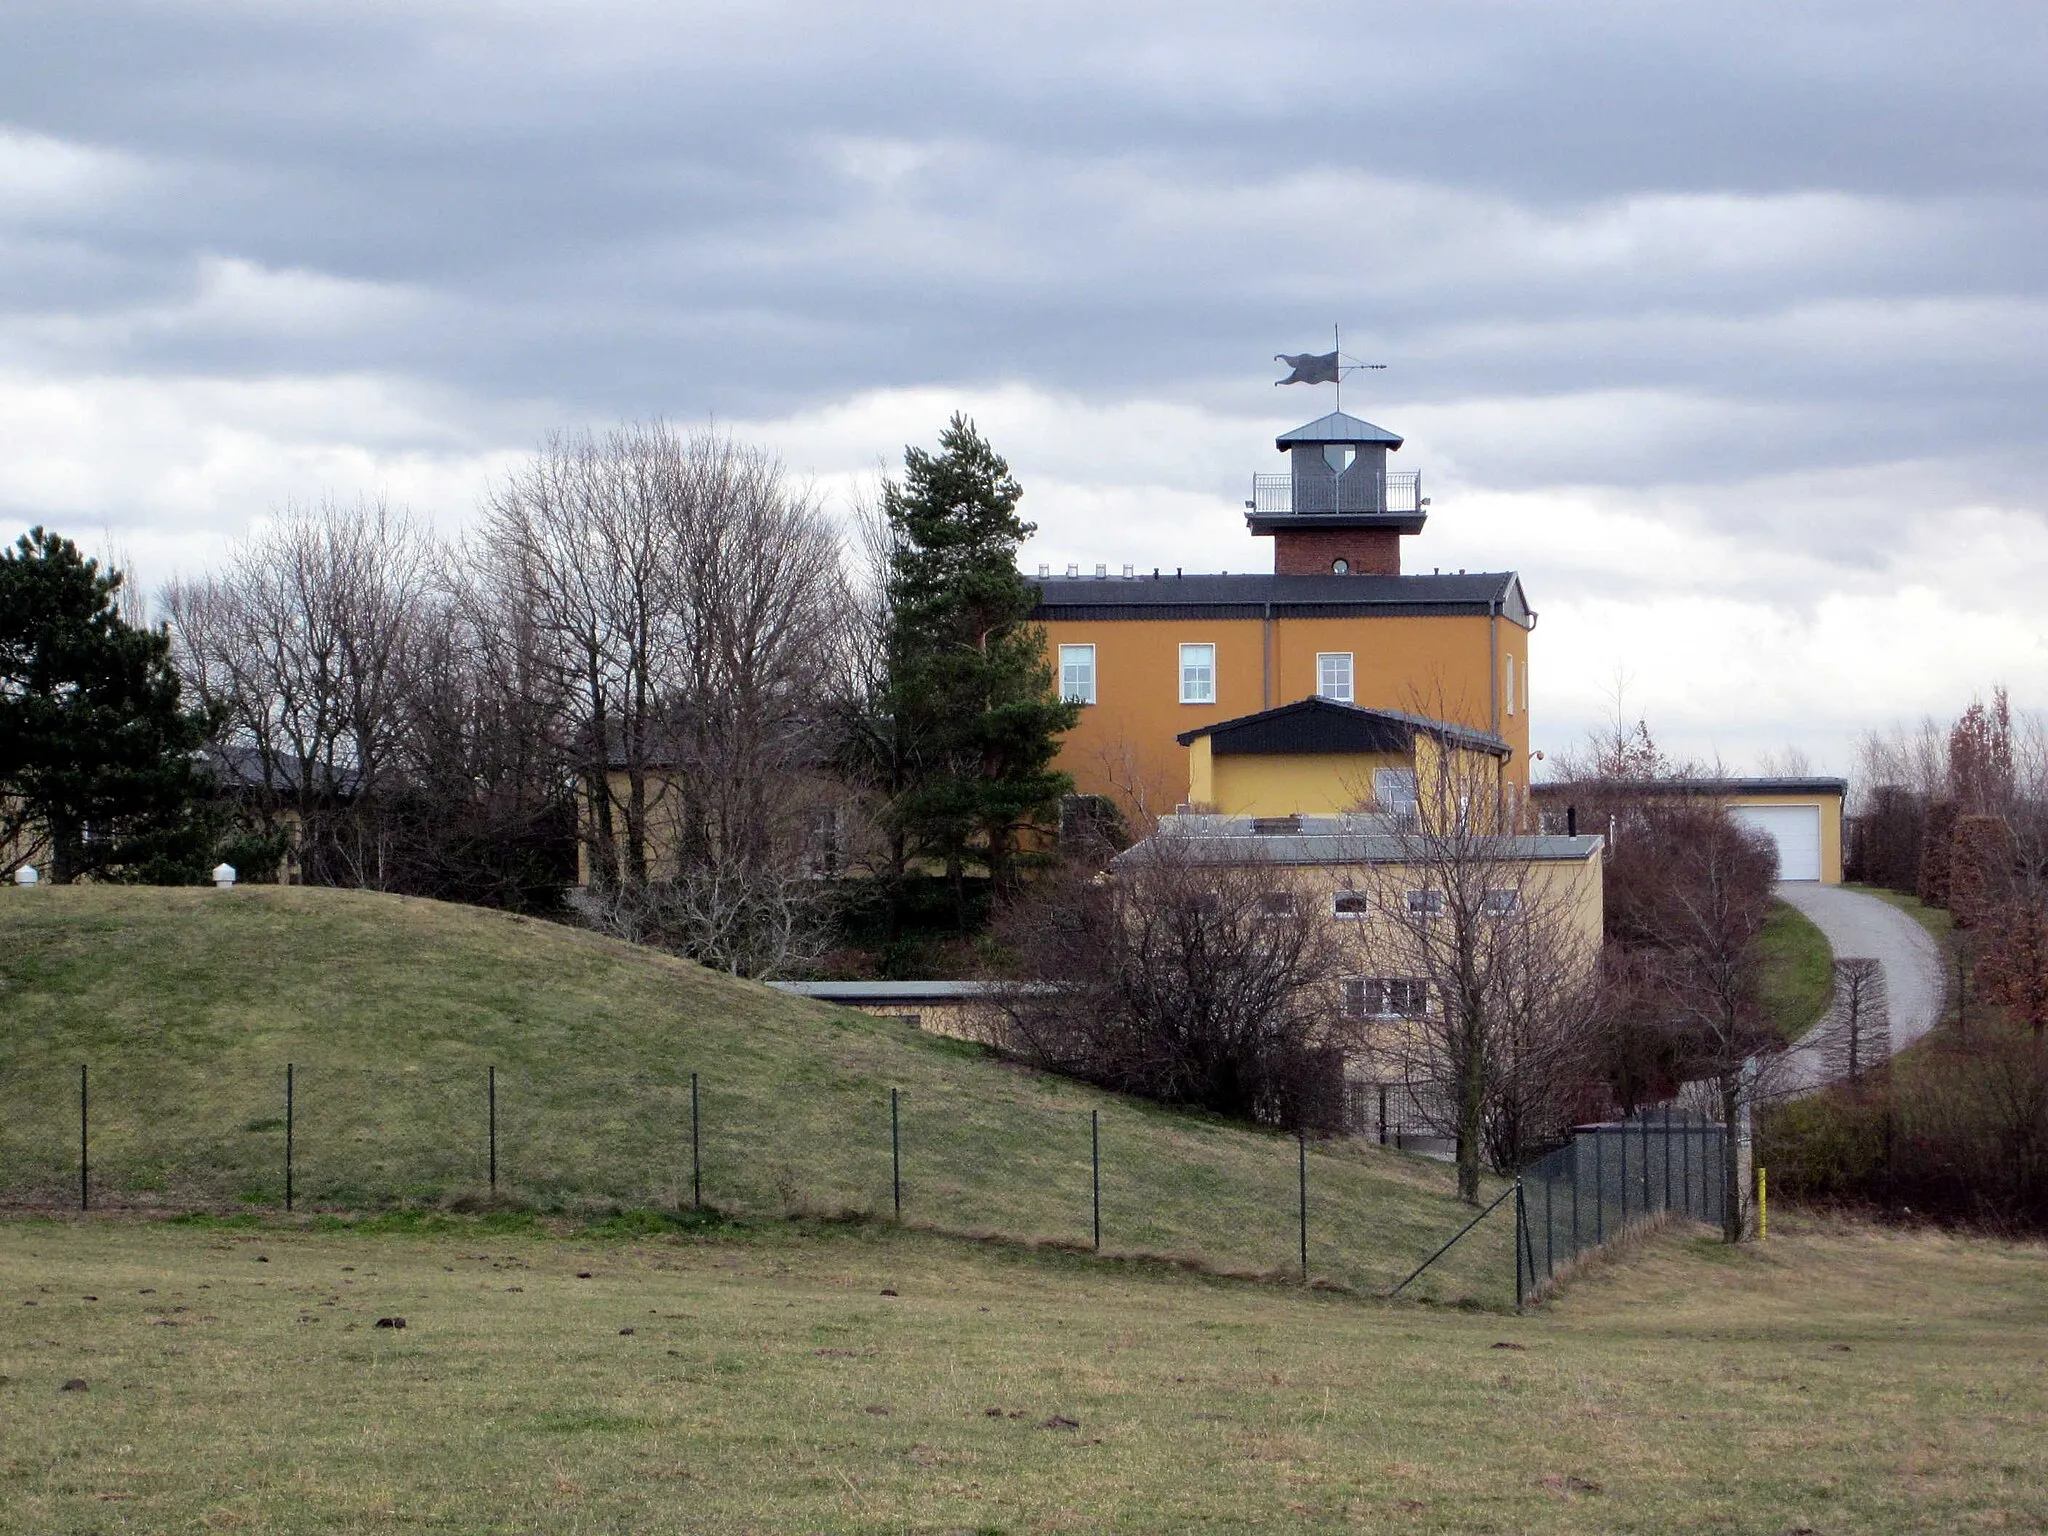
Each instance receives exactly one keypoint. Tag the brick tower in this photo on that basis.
(1338, 510)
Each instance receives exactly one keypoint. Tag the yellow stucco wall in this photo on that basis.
(1453, 668)
(1830, 807)
(1325, 783)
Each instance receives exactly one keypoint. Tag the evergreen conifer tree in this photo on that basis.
(970, 691)
(96, 747)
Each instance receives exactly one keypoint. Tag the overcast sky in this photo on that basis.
(1724, 325)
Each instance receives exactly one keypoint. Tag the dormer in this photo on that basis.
(1338, 510)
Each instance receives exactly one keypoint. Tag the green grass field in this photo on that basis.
(1839, 1380)
(1798, 971)
(188, 1004)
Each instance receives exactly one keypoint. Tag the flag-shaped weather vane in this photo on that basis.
(1322, 367)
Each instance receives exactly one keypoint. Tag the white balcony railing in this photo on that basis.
(1393, 490)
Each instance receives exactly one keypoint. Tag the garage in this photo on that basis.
(1796, 831)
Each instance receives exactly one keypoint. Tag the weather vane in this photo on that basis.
(1322, 367)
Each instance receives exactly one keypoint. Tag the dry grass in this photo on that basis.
(1844, 1379)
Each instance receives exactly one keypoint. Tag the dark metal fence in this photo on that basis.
(320, 1136)
(1609, 1180)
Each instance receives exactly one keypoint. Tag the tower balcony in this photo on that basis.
(1362, 491)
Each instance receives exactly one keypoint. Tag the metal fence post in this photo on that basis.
(491, 1092)
(1095, 1168)
(1301, 1146)
(1667, 1157)
(84, 1145)
(1685, 1183)
(1599, 1186)
(1520, 1231)
(1575, 1197)
(1623, 1181)
(895, 1155)
(1549, 1229)
(1383, 1114)
(1646, 1161)
(696, 1151)
(288, 1097)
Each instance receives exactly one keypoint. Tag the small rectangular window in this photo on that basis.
(1351, 904)
(1333, 675)
(1502, 903)
(1198, 674)
(1077, 674)
(1425, 903)
(1385, 997)
(1276, 904)
(1512, 694)
(1393, 790)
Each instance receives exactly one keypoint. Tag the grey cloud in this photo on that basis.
(1821, 226)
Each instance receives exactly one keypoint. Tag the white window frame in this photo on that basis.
(1086, 693)
(1360, 911)
(1513, 692)
(1505, 901)
(1425, 904)
(1197, 645)
(1404, 779)
(1323, 688)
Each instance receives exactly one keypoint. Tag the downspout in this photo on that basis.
(1500, 795)
(1266, 660)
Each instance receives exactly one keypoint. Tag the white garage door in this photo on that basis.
(1796, 831)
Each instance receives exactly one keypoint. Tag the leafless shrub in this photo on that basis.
(1186, 977)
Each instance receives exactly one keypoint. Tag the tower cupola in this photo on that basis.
(1338, 509)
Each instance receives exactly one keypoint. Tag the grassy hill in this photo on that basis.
(188, 1004)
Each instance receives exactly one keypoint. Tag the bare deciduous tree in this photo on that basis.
(1501, 959)
(1197, 974)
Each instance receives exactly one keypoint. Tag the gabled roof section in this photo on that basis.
(1324, 725)
(1337, 427)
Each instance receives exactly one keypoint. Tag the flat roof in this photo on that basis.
(1556, 788)
(1253, 596)
(1335, 840)
(885, 991)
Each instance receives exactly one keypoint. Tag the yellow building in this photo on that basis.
(1801, 816)
(1318, 757)
(1154, 656)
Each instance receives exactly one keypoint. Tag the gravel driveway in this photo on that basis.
(1862, 927)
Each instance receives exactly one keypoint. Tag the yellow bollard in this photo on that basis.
(1763, 1206)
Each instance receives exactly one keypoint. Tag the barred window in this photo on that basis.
(1385, 997)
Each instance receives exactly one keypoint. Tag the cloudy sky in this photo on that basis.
(1724, 325)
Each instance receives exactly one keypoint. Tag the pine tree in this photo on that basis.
(95, 744)
(970, 690)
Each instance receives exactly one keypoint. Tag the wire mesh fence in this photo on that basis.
(341, 1137)
(1609, 1180)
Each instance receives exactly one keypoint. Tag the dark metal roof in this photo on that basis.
(1337, 427)
(1559, 789)
(1289, 597)
(1324, 725)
